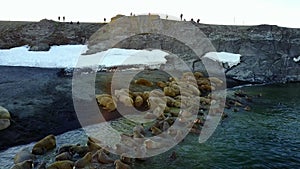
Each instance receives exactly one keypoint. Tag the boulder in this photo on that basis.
(4, 118)
(40, 47)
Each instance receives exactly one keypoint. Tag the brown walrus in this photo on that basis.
(44, 145)
(66, 164)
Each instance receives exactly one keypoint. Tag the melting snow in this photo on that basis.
(68, 56)
(224, 57)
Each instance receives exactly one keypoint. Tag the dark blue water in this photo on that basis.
(266, 137)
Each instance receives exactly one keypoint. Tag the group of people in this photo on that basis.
(181, 18)
(192, 20)
(63, 18)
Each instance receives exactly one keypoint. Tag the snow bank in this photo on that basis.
(68, 56)
(224, 57)
(56, 57)
(116, 57)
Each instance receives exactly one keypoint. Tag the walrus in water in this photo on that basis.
(23, 155)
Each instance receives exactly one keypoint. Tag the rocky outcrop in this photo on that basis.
(268, 51)
(41, 35)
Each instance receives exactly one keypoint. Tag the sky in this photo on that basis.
(227, 12)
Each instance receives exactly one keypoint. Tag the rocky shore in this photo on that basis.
(40, 100)
(39, 103)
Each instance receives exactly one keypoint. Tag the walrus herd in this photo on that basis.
(165, 102)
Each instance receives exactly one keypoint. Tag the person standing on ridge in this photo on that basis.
(181, 15)
(59, 18)
(104, 19)
(64, 18)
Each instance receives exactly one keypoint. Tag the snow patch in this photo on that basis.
(69, 56)
(296, 59)
(224, 57)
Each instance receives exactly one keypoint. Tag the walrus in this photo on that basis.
(145, 95)
(93, 147)
(137, 134)
(28, 164)
(121, 149)
(155, 131)
(189, 88)
(106, 101)
(151, 144)
(80, 150)
(64, 156)
(66, 164)
(125, 159)
(215, 80)
(46, 144)
(120, 165)
(198, 75)
(102, 157)
(161, 84)
(169, 91)
(84, 161)
(138, 101)
(64, 148)
(23, 155)
(144, 82)
(139, 128)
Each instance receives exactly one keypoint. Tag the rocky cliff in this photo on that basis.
(41, 35)
(267, 50)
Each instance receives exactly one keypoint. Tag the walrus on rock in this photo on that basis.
(46, 144)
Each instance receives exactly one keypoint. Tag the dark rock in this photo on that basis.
(40, 47)
(44, 32)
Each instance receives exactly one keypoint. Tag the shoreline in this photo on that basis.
(44, 99)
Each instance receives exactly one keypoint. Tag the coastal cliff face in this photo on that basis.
(267, 50)
(41, 35)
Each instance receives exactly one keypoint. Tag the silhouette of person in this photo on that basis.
(181, 15)
(192, 20)
(198, 21)
(130, 13)
(59, 18)
(104, 19)
(64, 18)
